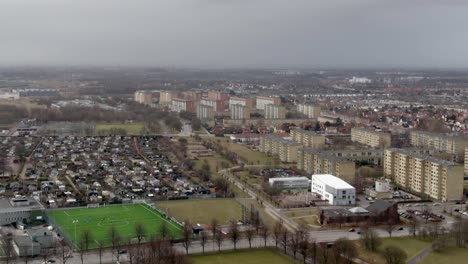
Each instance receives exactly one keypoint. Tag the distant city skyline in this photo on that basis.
(236, 34)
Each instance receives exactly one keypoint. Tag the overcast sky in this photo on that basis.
(235, 33)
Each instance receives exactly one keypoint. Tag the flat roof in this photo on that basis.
(332, 181)
(289, 178)
(6, 205)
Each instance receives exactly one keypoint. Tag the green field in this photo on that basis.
(203, 211)
(99, 221)
(410, 245)
(451, 255)
(259, 256)
(131, 129)
(244, 151)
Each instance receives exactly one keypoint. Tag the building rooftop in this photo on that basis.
(8, 205)
(289, 178)
(332, 181)
(412, 153)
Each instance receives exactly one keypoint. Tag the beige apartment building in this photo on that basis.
(247, 102)
(275, 112)
(205, 112)
(374, 139)
(311, 111)
(416, 171)
(466, 161)
(262, 101)
(285, 149)
(450, 144)
(308, 138)
(144, 97)
(317, 162)
(166, 97)
(239, 112)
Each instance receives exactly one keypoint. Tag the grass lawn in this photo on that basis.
(131, 129)
(214, 162)
(100, 220)
(252, 156)
(451, 255)
(258, 256)
(203, 211)
(410, 245)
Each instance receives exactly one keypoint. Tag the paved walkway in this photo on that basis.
(421, 255)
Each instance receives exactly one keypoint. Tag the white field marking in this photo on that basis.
(161, 217)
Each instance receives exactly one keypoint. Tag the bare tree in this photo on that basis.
(413, 226)
(344, 249)
(187, 232)
(65, 252)
(371, 240)
(324, 254)
(139, 232)
(394, 255)
(390, 227)
(304, 249)
(163, 230)
(82, 251)
(100, 248)
(234, 234)
(219, 237)
(214, 226)
(203, 240)
(294, 242)
(313, 251)
(264, 234)
(116, 240)
(277, 230)
(249, 233)
(284, 236)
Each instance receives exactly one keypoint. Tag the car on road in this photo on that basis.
(400, 229)
(49, 261)
(123, 251)
(352, 230)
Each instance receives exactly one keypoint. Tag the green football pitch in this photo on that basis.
(72, 222)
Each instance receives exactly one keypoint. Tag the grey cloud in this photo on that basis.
(256, 33)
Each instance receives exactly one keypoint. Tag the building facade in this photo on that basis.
(451, 144)
(180, 105)
(290, 183)
(311, 111)
(374, 139)
(333, 189)
(439, 179)
(205, 112)
(274, 112)
(144, 97)
(317, 162)
(262, 101)
(247, 102)
(216, 104)
(308, 138)
(239, 111)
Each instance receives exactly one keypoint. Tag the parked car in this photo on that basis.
(352, 230)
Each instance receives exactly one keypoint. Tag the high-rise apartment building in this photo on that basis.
(316, 162)
(247, 102)
(274, 112)
(217, 105)
(311, 111)
(215, 95)
(262, 101)
(239, 111)
(450, 144)
(374, 139)
(285, 149)
(144, 97)
(308, 138)
(205, 112)
(179, 105)
(439, 179)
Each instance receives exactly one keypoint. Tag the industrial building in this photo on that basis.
(333, 189)
(290, 183)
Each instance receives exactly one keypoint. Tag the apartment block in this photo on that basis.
(374, 139)
(439, 179)
(217, 105)
(466, 161)
(180, 105)
(308, 138)
(205, 112)
(275, 112)
(166, 97)
(451, 144)
(216, 95)
(325, 162)
(285, 149)
(262, 101)
(143, 97)
(247, 102)
(239, 111)
(311, 111)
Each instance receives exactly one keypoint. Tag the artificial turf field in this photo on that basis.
(99, 221)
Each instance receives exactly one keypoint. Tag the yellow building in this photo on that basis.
(450, 144)
(421, 173)
(374, 139)
(326, 162)
(466, 161)
(285, 149)
(308, 138)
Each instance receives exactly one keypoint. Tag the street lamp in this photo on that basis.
(75, 222)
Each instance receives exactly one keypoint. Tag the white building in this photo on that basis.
(204, 112)
(311, 111)
(262, 101)
(239, 111)
(333, 189)
(16, 210)
(290, 183)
